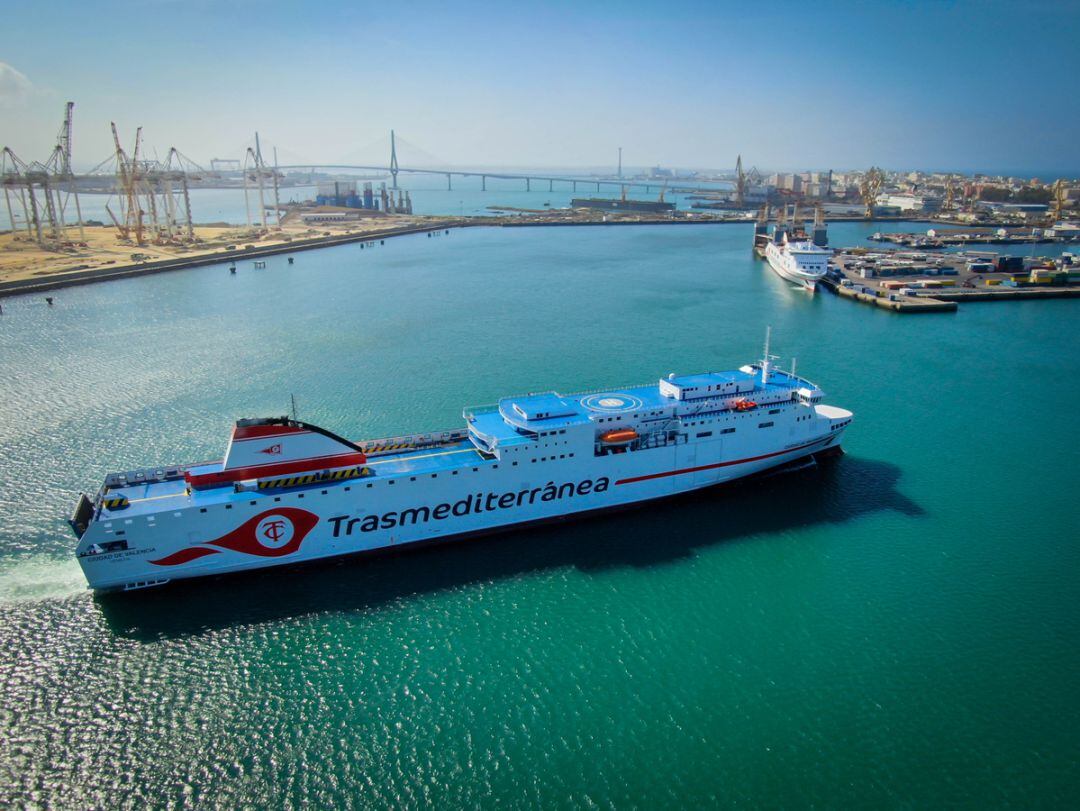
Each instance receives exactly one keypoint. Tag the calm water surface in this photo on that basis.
(896, 629)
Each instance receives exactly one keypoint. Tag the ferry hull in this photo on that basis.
(802, 280)
(290, 492)
(330, 537)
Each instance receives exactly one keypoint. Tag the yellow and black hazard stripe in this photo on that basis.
(400, 446)
(288, 481)
(115, 502)
(338, 475)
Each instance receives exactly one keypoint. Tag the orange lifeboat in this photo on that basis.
(620, 436)
(745, 405)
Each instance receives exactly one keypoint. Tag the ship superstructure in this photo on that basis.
(288, 491)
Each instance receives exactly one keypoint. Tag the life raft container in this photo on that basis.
(620, 436)
(745, 405)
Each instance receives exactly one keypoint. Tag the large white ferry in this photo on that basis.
(288, 491)
(801, 262)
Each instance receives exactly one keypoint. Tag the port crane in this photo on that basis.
(869, 188)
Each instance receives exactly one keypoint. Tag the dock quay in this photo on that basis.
(54, 281)
(896, 303)
(937, 239)
(908, 281)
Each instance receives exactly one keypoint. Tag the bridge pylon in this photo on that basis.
(393, 159)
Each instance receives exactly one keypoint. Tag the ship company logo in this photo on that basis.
(271, 534)
(472, 504)
(273, 450)
(275, 531)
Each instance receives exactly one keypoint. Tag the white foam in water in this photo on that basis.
(40, 577)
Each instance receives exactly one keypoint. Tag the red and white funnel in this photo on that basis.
(278, 446)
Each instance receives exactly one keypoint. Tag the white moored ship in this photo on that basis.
(288, 492)
(801, 262)
(794, 255)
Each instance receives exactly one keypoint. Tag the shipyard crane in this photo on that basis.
(950, 192)
(257, 172)
(1057, 213)
(869, 187)
(37, 186)
(130, 223)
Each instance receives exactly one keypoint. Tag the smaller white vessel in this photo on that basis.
(801, 262)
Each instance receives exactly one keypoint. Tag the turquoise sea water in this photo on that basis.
(897, 629)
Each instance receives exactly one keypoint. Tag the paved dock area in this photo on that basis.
(931, 281)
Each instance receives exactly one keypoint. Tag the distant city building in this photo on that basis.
(787, 182)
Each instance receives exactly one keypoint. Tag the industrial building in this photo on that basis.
(343, 194)
(913, 202)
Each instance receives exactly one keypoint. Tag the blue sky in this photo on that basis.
(789, 85)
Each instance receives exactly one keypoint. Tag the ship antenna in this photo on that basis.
(765, 358)
(292, 402)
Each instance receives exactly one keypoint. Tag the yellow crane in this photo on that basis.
(869, 187)
(1057, 213)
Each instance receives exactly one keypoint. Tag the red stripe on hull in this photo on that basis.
(274, 469)
(185, 556)
(259, 431)
(667, 473)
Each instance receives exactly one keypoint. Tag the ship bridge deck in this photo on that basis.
(515, 419)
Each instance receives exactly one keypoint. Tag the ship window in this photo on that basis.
(475, 469)
(704, 433)
(299, 496)
(391, 481)
(411, 478)
(202, 509)
(728, 431)
(347, 489)
(765, 425)
(370, 484)
(276, 498)
(228, 506)
(252, 504)
(774, 411)
(323, 492)
(454, 472)
(515, 464)
(434, 475)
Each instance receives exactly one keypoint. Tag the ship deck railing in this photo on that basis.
(407, 442)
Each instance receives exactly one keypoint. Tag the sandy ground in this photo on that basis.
(100, 246)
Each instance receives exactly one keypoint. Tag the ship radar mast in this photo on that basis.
(766, 358)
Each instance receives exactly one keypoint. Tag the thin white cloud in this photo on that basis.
(14, 86)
